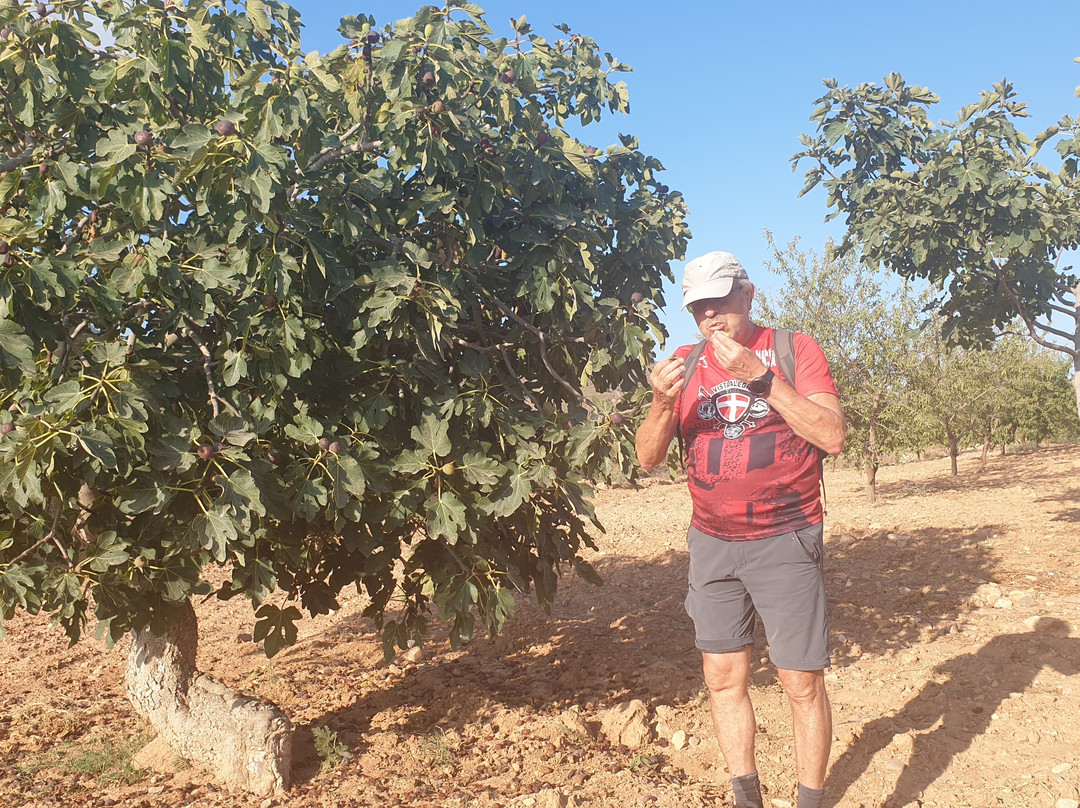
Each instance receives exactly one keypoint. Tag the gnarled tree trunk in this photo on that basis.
(246, 742)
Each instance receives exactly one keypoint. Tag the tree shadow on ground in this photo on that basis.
(1066, 514)
(949, 715)
(1030, 467)
(631, 638)
(889, 591)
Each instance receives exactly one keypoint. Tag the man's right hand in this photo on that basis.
(666, 380)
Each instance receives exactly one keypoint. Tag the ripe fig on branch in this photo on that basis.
(226, 128)
(143, 138)
(7, 428)
(617, 418)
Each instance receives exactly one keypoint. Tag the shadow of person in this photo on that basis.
(949, 713)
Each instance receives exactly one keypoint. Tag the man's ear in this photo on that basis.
(750, 289)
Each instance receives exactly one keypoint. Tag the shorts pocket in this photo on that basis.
(810, 540)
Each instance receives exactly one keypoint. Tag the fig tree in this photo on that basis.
(226, 128)
(541, 138)
(206, 451)
(616, 418)
(324, 443)
(274, 456)
(636, 298)
(270, 301)
(436, 107)
(42, 10)
(334, 447)
(5, 248)
(448, 468)
(429, 31)
(7, 428)
(428, 79)
(143, 138)
(508, 76)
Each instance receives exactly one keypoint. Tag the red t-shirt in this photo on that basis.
(750, 475)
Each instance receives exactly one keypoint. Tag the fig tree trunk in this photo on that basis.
(245, 742)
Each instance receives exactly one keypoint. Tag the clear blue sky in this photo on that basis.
(721, 92)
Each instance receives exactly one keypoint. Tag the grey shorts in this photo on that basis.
(780, 578)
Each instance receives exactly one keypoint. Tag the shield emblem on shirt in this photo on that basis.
(732, 406)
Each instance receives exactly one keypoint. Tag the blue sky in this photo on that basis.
(721, 92)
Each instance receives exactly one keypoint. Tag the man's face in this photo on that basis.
(730, 314)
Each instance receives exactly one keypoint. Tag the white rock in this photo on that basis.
(1067, 803)
(1002, 603)
(678, 740)
(1061, 768)
(780, 803)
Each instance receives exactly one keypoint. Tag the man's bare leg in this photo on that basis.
(811, 716)
(727, 677)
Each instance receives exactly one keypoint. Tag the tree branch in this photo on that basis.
(529, 393)
(1028, 321)
(1062, 309)
(511, 314)
(324, 157)
(50, 536)
(83, 222)
(1048, 329)
(21, 159)
(189, 332)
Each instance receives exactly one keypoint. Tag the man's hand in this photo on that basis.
(656, 431)
(738, 360)
(666, 380)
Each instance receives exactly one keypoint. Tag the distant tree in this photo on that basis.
(962, 204)
(1013, 390)
(866, 332)
(319, 320)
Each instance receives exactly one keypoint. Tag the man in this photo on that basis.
(755, 539)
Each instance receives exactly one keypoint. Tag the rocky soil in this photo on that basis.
(955, 612)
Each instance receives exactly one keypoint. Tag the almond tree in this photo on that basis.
(320, 320)
(962, 204)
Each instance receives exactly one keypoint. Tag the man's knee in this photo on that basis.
(726, 672)
(803, 687)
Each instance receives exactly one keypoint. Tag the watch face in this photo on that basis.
(761, 385)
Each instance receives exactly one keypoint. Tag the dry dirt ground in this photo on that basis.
(955, 614)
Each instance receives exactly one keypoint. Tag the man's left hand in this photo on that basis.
(738, 360)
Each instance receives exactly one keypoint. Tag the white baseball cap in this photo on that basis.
(712, 275)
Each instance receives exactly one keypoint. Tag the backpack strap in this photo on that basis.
(688, 374)
(784, 347)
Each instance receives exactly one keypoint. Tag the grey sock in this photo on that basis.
(747, 791)
(810, 797)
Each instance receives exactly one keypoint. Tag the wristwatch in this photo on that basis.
(762, 385)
